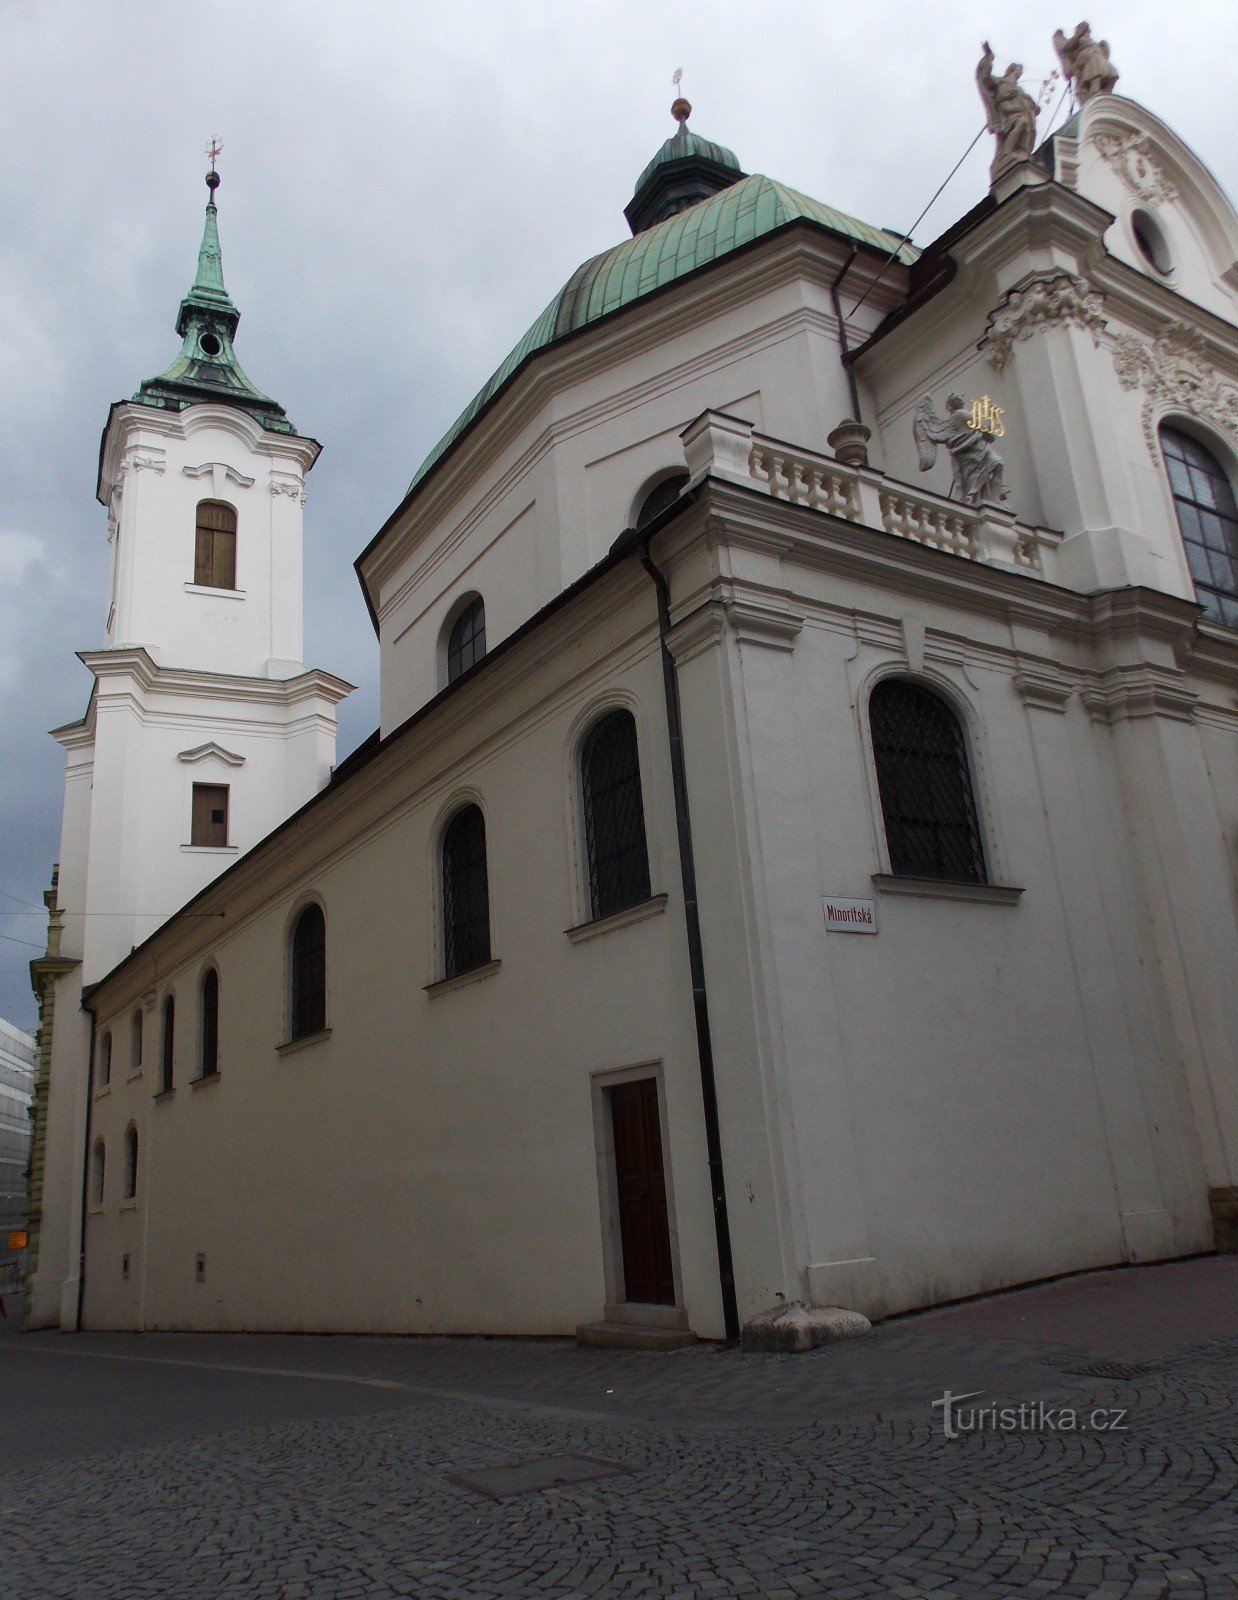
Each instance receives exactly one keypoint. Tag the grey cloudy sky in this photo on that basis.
(405, 186)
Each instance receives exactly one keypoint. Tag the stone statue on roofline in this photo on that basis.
(978, 469)
(1085, 62)
(1010, 113)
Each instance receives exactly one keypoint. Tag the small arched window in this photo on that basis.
(135, 1042)
(308, 985)
(466, 893)
(1208, 521)
(932, 828)
(98, 1172)
(466, 643)
(214, 558)
(131, 1162)
(614, 815)
(105, 1060)
(210, 1023)
(660, 496)
(167, 1055)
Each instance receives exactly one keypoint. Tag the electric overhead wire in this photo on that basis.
(907, 236)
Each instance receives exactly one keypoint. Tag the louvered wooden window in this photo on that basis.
(214, 561)
(210, 814)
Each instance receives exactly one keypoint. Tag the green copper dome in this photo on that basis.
(684, 144)
(747, 210)
(207, 370)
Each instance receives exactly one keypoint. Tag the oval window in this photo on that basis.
(1151, 242)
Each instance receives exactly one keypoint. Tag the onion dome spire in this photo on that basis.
(686, 169)
(207, 370)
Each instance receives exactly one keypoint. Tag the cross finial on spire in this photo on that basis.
(213, 151)
(681, 110)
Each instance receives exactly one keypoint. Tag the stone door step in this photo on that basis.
(632, 1336)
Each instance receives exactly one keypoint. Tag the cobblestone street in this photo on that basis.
(204, 1466)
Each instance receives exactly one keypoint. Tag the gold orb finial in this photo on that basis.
(681, 110)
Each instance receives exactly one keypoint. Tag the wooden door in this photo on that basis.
(644, 1231)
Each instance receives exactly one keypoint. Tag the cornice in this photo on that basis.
(138, 665)
(127, 419)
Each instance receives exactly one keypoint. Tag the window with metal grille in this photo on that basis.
(614, 815)
(466, 644)
(98, 1171)
(168, 1055)
(660, 496)
(214, 556)
(309, 974)
(1208, 520)
(131, 1162)
(931, 824)
(466, 893)
(210, 1023)
(135, 1042)
(105, 1060)
(209, 818)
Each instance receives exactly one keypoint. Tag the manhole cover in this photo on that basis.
(527, 1477)
(1111, 1369)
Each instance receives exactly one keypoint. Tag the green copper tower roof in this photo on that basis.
(682, 146)
(207, 370)
(705, 232)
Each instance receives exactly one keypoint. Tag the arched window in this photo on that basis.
(1208, 520)
(614, 815)
(105, 1060)
(931, 824)
(660, 496)
(214, 557)
(466, 893)
(308, 986)
(167, 1056)
(131, 1162)
(209, 1014)
(135, 1042)
(98, 1171)
(466, 644)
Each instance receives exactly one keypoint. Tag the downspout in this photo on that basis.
(844, 347)
(81, 1242)
(696, 956)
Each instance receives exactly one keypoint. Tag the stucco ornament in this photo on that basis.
(978, 469)
(1176, 371)
(1042, 300)
(1133, 158)
(1085, 62)
(1010, 113)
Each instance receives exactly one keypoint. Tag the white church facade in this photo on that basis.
(796, 865)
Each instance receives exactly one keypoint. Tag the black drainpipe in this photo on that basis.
(81, 1243)
(696, 957)
(845, 355)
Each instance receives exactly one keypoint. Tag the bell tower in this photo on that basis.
(204, 728)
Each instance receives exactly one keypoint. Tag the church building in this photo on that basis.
(795, 874)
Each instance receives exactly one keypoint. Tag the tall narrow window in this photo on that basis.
(167, 1060)
(1208, 520)
(614, 815)
(308, 956)
(131, 1162)
(105, 1060)
(926, 792)
(466, 893)
(214, 560)
(98, 1171)
(135, 1042)
(466, 644)
(209, 819)
(210, 1023)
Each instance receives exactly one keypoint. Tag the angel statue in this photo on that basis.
(977, 466)
(1085, 62)
(1010, 113)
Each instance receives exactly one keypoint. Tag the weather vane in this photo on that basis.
(681, 110)
(212, 178)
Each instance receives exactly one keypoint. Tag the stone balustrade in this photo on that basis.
(721, 446)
